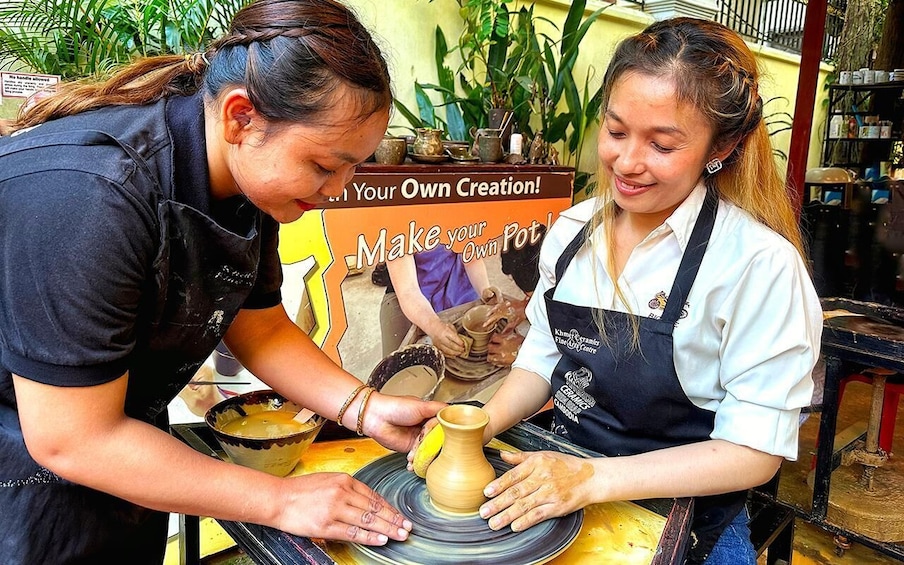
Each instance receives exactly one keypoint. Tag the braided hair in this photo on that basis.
(714, 71)
(291, 57)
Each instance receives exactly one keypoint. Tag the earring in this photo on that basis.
(714, 166)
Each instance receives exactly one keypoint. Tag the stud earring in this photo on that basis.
(714, 166)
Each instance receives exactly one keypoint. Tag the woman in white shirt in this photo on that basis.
(675, 324)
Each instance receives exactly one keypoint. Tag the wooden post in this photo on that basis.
(811, 54)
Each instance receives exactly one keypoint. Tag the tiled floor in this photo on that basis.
(812, 545)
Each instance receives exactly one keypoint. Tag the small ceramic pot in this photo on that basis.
(456, 479)
(489, 149)
(473, 322)
(391, 151)
(429, 141)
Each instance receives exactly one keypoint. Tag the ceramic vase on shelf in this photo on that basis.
(429, 141)
(456, 479)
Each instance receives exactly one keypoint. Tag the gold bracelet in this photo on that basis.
(348, 402)
(359, 429)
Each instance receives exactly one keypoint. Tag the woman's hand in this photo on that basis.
(503, 347)
(543, 485)
(338, 507)
(395, 421)
(512, 311)
(445, 337)
(491, 295)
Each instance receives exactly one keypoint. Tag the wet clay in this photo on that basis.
(416, 380)
(266, 424)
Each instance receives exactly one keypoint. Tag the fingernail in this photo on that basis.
(489, 491)
(403, 533)
(484, 512)
(407, 525)
(382, 538)
(493, 524)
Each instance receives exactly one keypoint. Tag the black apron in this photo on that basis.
(620, 398)
(201, 276)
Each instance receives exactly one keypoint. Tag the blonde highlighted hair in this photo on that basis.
(715, 72)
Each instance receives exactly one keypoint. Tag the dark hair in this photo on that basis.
(289, 55)
(711, 66)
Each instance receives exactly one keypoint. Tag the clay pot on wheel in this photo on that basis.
(456, 479)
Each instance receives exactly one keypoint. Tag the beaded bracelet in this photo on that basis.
(359, 428)
(348, 402)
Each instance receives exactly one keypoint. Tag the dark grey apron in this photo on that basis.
(201, 277)
(619, 399)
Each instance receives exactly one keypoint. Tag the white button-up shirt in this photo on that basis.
(748, 337)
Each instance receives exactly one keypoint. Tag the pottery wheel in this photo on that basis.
(439, 538)
(470, 368)
(475, 366)
(865, 325)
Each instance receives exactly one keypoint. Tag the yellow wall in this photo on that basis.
(405, 31)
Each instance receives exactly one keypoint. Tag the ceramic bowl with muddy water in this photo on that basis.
(257, 430)
(412, 370)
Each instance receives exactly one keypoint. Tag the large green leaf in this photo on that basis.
(79, 38)
(424, 105)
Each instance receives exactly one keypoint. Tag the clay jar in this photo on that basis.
(391, 151)
(428, 142)
(456, 479)
(473, 323)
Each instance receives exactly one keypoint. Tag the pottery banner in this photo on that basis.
(334, 259)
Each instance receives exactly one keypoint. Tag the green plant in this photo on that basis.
(777, 122)
(507, 63)
(79, 38)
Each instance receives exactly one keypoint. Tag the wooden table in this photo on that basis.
(617, 532)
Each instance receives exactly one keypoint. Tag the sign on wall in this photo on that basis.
(480, 212)
(23, 85)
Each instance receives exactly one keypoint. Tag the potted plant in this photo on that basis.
(80, 38)
(510, 67)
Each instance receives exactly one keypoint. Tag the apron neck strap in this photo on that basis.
(690, 261)
(692, 258)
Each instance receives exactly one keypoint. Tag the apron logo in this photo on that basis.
(235, 277)
(660, 300)
(571, 399)
(572, 339)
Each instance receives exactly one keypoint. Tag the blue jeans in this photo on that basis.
(734, 547)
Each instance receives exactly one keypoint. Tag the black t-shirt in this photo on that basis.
(80, 233)
(113, 258)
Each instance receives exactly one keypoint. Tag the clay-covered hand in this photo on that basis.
(503, 347)
(543, 485)
(445, 337)
(512, 311)
(396, 421)
(491, 295)
(338, 507)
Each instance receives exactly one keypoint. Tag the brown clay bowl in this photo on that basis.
(274, 449)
